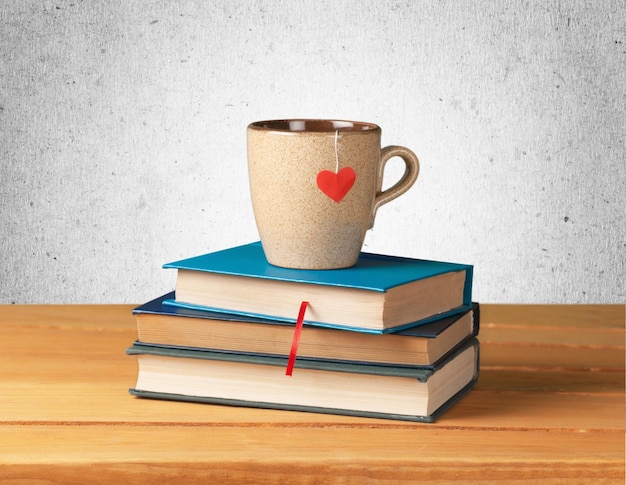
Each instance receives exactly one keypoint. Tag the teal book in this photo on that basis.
(411, 393)
(380, 294)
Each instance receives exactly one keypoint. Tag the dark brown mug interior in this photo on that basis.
(322, 126)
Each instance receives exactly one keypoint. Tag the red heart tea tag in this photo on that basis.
(336, 185)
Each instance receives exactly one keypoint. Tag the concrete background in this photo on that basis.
(122, 135)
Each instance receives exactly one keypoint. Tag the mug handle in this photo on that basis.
(411, 171)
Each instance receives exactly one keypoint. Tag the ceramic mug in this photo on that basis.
(316, 186)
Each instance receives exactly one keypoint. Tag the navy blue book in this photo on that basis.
(355, 389)
(379, 294)
(167, 325)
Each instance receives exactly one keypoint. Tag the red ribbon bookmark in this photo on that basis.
(296, 339)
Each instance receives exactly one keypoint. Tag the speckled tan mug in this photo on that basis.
(316, 186)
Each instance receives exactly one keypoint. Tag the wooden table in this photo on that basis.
(549, 406)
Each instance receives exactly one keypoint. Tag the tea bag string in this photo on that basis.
(336, 152)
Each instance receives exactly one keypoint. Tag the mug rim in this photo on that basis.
(313, 125)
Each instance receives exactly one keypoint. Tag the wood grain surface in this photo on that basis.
(548, 407)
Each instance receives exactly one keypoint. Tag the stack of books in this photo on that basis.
(390, 337)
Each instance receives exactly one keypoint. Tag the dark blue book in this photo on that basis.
(379, 294)
(173, 326)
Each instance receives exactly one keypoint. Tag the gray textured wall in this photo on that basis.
(122, 135)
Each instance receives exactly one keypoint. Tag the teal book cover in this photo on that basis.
(374, 274)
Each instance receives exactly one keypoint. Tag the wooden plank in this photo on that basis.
(281, 454)
(564, 316)
(552, 357)
(81, 404)
(97, 317)
(554, 381)
(325, 473)
(583, 337)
